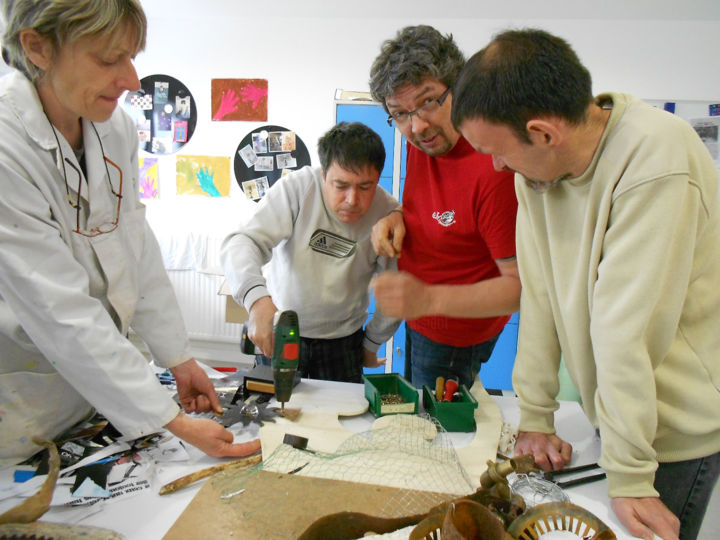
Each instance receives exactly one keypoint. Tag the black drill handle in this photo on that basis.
(246, 346)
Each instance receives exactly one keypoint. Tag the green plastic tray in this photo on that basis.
(377, 386)
(452, 415)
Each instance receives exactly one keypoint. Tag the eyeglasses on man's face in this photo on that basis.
(104, 227)
(402, 119)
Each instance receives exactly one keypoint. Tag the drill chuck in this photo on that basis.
(283, 380)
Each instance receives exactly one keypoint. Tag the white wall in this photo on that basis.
(308, 48)
(306, 58)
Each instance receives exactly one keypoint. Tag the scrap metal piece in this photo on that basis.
(535, 490)
(494, 494)
(462, 519)
(248, 412)
(594, 468)
(560, 516)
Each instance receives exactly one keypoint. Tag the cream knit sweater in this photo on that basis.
(621, 274)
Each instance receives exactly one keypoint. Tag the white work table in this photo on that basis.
(148, 515)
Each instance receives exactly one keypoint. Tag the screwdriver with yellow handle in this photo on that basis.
(439, 388)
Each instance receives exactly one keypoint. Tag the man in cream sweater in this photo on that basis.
(618, 237)
(313, 227)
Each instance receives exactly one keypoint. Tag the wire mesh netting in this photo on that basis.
(411, 453)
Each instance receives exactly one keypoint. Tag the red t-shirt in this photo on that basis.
(460, 216)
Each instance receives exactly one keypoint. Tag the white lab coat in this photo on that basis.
(67, 301)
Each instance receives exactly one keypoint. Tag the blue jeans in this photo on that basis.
(426, 360)
(685, 487)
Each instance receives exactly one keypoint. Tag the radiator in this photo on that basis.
(192, 260)
(203, 309)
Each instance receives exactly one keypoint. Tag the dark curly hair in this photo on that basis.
(417, 52)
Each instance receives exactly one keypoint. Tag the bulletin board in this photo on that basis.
(703, 116)
(165, 114)
(264, 155)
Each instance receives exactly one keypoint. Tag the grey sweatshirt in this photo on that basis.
(318, 266)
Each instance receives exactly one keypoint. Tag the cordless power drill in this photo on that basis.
(286, 352)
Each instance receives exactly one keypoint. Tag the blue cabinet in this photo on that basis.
(496, 373)
(374, 116)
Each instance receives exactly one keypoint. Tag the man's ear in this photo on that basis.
(37, 48)
(544, 132)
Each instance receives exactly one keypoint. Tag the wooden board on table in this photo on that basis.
(340, 399)
(321, 404)
(488, 427)
(276, 505)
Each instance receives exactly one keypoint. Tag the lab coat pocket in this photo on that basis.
(135, 230)
(119, 253)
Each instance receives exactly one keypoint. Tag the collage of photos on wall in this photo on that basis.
(164, 112)
(266, 154)
(165, 116)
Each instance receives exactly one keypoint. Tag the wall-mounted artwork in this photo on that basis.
(203, 175)
(264, 155)
(148, 178)
(164, 112)
(239, 99)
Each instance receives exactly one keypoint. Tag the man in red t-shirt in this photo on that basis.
(458, 280)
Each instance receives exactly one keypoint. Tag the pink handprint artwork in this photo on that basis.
(228, 104)
(253, 94)
(148, 179)
(239, 99)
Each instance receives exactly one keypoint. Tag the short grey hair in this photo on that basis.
(63, 22)
(416, 53)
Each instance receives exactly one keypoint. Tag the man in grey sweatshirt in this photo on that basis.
(313, 228)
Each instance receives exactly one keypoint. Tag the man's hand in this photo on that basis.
(388, 234)
(260, 325)
(401, 295)
(210, 437)
(370, 359)
(195, 390)
(551, 453)
(646, 516)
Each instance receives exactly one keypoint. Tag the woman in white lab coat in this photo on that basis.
(79, 265)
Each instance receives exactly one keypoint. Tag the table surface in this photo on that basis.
(148, 515)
